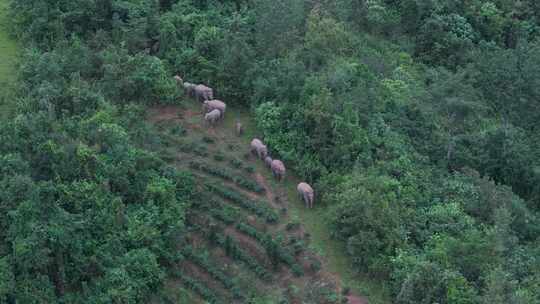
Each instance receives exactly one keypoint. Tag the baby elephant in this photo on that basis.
(213, 117)
(306, 192)
(239, 129)
(268, 161)
(258, 148)
(203, 93)
(210, 105)
(278, 169)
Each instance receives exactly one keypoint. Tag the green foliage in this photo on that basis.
(274, 249)
(199, 288)
(233, 250)
(258, 208)
(202, 260)
(337, 91)
(230, 176)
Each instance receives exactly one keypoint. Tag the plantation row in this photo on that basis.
(214, 271)
(233, 250)
(226, 175)
(197, 287)
(225, 213)
(274, 248)
(258, 208)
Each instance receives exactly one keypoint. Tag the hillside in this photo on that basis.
(310, 266)
(415, 122)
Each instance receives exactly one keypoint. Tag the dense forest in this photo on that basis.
(415, 120)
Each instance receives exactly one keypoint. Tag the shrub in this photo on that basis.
(208, 140)
(178, 130)
(219, 156)
(297, 270)
(292, 226)
(236, 163)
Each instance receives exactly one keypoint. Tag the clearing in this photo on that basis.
(251, 236)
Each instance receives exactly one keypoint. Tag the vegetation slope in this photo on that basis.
(416, 121)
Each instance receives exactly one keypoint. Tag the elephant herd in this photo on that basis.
(214, 111)
(259, 149)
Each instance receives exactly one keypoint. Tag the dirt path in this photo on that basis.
(269, 192)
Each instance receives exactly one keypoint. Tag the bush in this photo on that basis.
(219, 156)
(315, 265)
(292, 226)
(238, 164)
(178, 130)
(208, 140)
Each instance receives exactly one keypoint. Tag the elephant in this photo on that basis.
(179, 80)
(213, 117)
(306, 192)
(210, 105)
(278, 169)
(189, 89)
(203, 93)
(268, 161)
(239, 129)
(257, 147)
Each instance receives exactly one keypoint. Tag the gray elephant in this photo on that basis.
(189, 89)
(179, 80)
(278, 169)
(213, 117)
(210, 105)
(239, 128)
(258, 148)
(203, 93)
(268, 161)
(306, 192)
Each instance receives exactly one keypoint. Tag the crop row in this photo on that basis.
(273, 248)
(203, 262)
(233, 250)
(255, 207)
(198, 288)
(222, 173)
